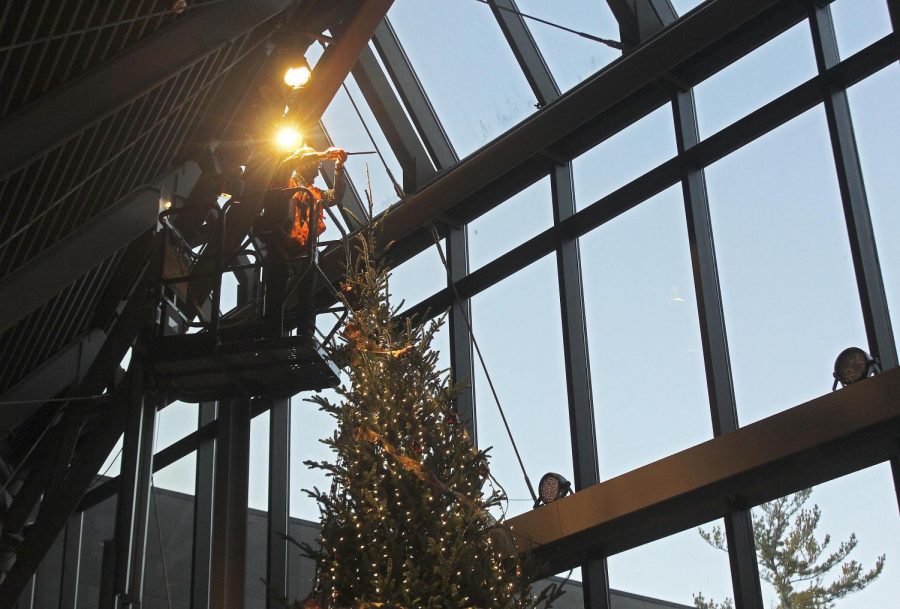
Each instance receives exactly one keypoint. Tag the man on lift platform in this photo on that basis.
(284, 228)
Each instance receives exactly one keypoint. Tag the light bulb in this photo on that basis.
(297, 77)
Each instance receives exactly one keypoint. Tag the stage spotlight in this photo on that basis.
(552, 487)
(853, 365)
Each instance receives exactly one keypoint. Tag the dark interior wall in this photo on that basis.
(168, 576)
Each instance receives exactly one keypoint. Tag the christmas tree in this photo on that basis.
(405, 523)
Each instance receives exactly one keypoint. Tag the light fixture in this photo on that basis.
(552, 487)
(297, 77)
(853, 365)
(288, 139)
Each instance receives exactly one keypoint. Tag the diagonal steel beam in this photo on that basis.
(413, 96)
(62, 500)
(396, 126)
(578, 120)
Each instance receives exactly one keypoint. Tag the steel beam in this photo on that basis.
(578, 374)
(595, 573)
(827, 437)
(720, 385)
(394, 123)
(88, 246)
(229, 522)
(71, 567)
(525, 50)
(337, 61)
(853, 194)
(62, 500)
(599, 107)
(203, 510)
(462, 359)
(413, 95)
(133, 502)
(665, 175)
(869, 278)
(63, 114)
(278, 521)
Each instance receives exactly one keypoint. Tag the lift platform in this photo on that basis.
(193, 368)
(243, 353)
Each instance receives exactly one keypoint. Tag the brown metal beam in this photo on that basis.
(827, 437)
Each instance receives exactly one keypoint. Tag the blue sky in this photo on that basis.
(788, 286)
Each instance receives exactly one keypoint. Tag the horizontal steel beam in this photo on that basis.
(64, 113)
(756, 124)
(89, 245)
(827, 437)
(697, 45)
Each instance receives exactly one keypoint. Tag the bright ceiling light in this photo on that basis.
(297, 77)
(288, 139)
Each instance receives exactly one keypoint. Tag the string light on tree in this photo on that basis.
(405, 523)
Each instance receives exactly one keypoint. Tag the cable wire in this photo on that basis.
(458, 300)
(397, 188)
(615, 44)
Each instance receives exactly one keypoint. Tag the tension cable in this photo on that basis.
(458, 301)
(615, 44)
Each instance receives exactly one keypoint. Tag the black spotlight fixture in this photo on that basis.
(853, 365)
(552, 487)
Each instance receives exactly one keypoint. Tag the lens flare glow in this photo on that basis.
(297, 77)
(288, 139)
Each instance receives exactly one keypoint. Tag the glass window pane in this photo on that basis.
(649, 384)
(309, 425)
(418, 278)
(466, 67)
(756, 79)
(625, 156)
(859, 23)
(174, 422)
(348, 131)
(170, 531)
(517, 325)
(683, 6)
(876, 120)
(788, 286)
(178, 477)
(258, 496)
(511, 223)
(572, 58)
(672, 570)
